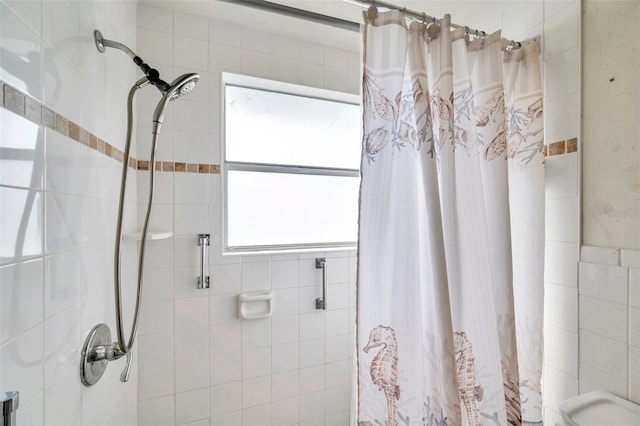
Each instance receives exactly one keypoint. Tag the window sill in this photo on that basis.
(259, 251)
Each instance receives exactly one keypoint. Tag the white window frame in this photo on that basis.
(229, 79)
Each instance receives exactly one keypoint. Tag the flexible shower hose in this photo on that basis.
(124, 346)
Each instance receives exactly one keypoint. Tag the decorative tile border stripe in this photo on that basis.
(561, 147)
(33, 110)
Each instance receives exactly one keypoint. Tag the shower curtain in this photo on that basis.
(450, 269)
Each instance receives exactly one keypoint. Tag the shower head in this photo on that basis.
(178, 87)
(182, 85)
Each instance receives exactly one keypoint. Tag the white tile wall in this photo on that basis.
(55, 279)
(561, 67)
(20, 37)
(609, 318)
(279, 370)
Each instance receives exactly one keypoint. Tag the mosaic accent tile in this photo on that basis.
(74, 131)
(556, 148)
(84, 136)
(13, 100)
(116, 154)
(48, 118)
(33, 111)
(561, 147)
(62, 125)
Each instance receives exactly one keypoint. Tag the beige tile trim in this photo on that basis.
(561, 147)
(33, 110)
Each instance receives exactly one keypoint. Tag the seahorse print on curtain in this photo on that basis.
(466, 374)
(384, 367)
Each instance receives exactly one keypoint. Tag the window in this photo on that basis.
(291, 166)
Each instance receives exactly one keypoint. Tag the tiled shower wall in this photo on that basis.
(610, 261)
(610, 321)
(58, 200)
(198, 362)
(561, 64)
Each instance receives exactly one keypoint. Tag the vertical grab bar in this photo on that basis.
(10, 402)
(204, 240)
(321, 302)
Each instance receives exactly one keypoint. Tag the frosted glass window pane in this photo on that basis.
(278, 128)
(284, 209)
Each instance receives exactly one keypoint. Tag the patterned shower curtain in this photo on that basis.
(451, 240)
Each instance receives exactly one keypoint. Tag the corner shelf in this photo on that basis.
(151, 235)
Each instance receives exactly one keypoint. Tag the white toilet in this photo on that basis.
(599, 409)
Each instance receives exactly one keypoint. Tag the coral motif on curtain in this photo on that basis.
(451, 229)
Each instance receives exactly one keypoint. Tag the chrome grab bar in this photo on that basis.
(10, 402)
(204, 240)
(321, 302)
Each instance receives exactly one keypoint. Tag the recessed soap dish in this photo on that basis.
(255, 305)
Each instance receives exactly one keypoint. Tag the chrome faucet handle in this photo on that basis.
(124, 376)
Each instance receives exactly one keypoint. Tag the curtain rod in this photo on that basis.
(354, 26)
(298, 13)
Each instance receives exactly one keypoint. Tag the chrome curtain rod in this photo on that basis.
(354, 26)
(298, 13)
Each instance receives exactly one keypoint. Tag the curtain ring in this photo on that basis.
(424, 19)
(466, 30)
(372, 12)
(512, 45)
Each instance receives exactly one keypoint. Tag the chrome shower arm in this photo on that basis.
(152, 74)
(102, 42)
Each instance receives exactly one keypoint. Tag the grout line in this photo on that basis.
(33, 110)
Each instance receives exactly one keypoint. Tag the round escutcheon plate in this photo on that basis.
(92, 371)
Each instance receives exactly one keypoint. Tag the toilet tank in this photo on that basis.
(598, 409)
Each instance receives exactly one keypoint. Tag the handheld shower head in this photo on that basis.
(182, 85)
(178, 87)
